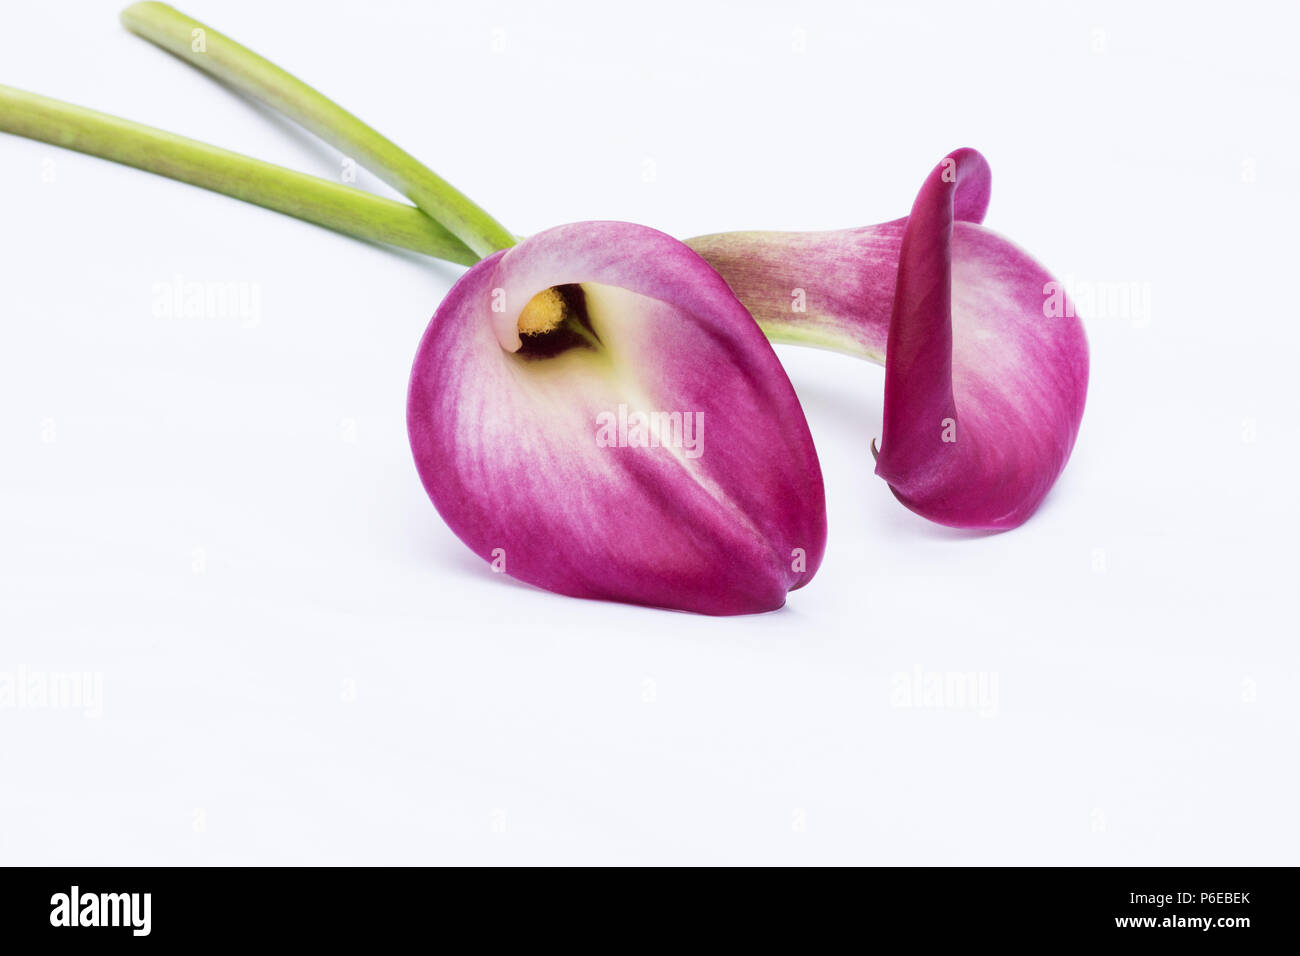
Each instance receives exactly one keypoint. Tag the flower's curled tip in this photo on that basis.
(594, 412)
(971, 178)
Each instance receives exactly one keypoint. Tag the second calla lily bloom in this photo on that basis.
(595, 413)
(986, 366)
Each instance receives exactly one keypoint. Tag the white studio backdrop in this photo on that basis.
(288, 658)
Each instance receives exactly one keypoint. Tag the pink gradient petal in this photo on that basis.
(956, 314)
(827, 289)
(984, 391)
(506, 443)
(832, 289)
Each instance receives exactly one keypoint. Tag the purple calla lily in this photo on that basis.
(985, 380)
(595, 413)
(560, 396)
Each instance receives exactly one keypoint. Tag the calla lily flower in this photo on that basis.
(561, 398)
(986, 368)
(594, 412)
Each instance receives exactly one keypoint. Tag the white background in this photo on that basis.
(300, 664)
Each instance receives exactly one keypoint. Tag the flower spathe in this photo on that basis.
(984, 384)
(594, 412)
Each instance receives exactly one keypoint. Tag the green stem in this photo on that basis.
(344, 209)
(244, 70)
(333, 205)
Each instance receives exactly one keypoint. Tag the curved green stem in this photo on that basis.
(344, 209)
(241, 68)
(333, 205)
